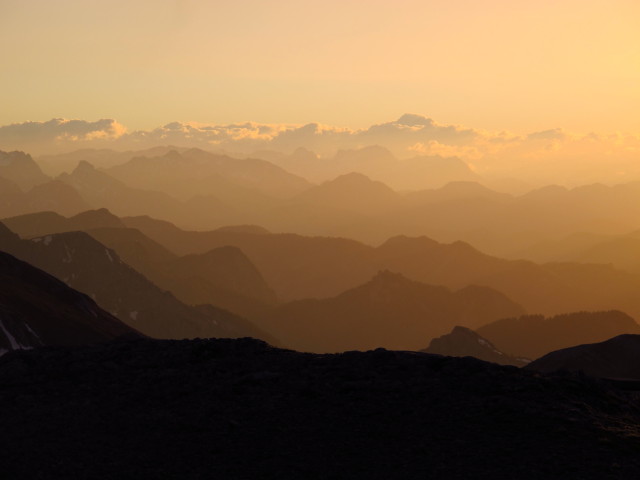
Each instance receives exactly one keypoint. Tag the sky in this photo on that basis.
(519, 66)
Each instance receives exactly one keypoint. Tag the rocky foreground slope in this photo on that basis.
(241, 409)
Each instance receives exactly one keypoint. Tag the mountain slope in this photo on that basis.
(192, 172)
(298, 267)
(37, 309)
(533, 336)
(353, 192)
(83, 263)
(618, 358)
(463, 342)
(21, 169)
(223, 276)
(388, 311)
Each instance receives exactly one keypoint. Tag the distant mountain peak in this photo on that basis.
(101, 217)
(175, 155)
(8, 158)
(84, 166)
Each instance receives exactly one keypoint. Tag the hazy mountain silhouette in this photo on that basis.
(376, 162)
(201, 190)
(21, 169)
(195, 171)
(389, 311)
(299, 267)
(8, 189)
(533, 336)
(101, 190)
(223, 276)
(464, 342)
(43, 223)
(51, 195)
(101, 158)
(238, 409)
(84, 263)
(457, 192)
(38, 309)
(618, 358)
(353, 192)
(563, 249)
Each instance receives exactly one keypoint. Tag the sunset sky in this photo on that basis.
(521, 66)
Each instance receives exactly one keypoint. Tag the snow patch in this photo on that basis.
(485, 343)
(106, 250)
(14, 344)
(69, 257)
(133, 315)
(47, 240)
(12, 341)
(32, 332)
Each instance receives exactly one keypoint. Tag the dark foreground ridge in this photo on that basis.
(241, 409)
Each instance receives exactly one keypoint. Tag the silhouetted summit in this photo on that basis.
(464, 342)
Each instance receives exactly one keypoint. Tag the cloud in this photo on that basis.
(548, 156)
(57, 133)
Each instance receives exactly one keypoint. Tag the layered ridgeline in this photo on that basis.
(83, 263)
(223, 276)
(201, 190)
(389, 310)
(24, 188)
(299, 267)
(464, 342)
(533, 336)
(376, 162)
(37, 309)
(236, 267)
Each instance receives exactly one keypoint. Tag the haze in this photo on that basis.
(494, 65)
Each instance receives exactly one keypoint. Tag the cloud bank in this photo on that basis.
(550, 156)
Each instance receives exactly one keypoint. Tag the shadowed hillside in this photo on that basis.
(37, 310)
(616, 358)
(533, 336)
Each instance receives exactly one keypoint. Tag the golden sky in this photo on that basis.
(515, 65)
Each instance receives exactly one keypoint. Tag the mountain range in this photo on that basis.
(389, 311)
(85, 264)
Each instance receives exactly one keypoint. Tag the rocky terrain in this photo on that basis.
(238, 409)
(37, 309)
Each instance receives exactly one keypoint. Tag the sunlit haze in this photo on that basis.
(521, 66)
